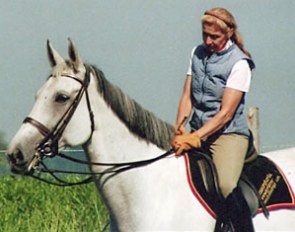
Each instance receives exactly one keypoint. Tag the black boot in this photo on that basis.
(223, 226)
(223, 222)
(239, 212)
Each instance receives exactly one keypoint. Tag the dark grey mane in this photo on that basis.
(139, 121)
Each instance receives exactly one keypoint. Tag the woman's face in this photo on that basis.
(214, 39)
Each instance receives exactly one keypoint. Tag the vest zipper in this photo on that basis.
(202, 93)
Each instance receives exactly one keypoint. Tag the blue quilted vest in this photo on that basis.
(209, 76)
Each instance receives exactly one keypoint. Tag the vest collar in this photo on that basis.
(228, 47)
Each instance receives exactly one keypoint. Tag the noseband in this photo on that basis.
(48, 147)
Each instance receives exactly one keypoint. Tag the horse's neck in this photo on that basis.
(112, 141)
(138, 188)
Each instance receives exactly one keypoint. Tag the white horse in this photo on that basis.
(114, 128)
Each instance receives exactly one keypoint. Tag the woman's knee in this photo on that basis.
(227, 187)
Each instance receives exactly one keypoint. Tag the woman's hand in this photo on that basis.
(185, 142)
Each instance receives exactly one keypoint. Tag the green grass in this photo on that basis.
(27, 205)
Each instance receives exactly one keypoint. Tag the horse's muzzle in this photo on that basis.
(18, 164)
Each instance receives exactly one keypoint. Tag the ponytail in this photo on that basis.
(237, 39)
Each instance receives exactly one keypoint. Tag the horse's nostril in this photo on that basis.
(16, 158)
(17, 162)
(19, 156)
(11, 158)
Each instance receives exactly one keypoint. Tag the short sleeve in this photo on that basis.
(240, 76)
(189, 70)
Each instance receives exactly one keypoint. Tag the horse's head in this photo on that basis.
(61, 104)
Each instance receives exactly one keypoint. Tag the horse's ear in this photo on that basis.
(53, 56)
(74, 56)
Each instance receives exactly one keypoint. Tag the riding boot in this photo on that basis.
(223, 226)
(223, 222)
(239, 212)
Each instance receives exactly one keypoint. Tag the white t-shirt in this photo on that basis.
(240, 76)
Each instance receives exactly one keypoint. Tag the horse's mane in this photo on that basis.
(141, 122)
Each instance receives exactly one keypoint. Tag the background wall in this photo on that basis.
(143, 46)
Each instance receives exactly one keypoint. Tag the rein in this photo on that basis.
(114, 169)
(48, 147)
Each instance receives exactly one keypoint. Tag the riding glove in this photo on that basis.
(185, 142)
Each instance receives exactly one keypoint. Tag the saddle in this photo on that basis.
(263, 184)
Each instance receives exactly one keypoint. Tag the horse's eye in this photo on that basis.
(61, 98)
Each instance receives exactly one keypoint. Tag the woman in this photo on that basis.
(217, 81)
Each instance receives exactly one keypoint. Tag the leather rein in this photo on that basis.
(48, 147)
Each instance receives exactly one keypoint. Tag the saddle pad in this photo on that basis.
(271, 183)
(266, 177)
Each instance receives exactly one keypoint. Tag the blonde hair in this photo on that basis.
(226, 22)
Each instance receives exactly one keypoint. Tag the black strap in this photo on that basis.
(114, 169)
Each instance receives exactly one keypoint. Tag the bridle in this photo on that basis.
(48, 147)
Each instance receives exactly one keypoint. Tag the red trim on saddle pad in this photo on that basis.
(201, 196)
(194, 190)
(288, 205)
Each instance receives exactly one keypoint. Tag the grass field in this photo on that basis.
(27, 205)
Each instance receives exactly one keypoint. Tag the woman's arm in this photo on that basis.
(185, 103)
(230, 101)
